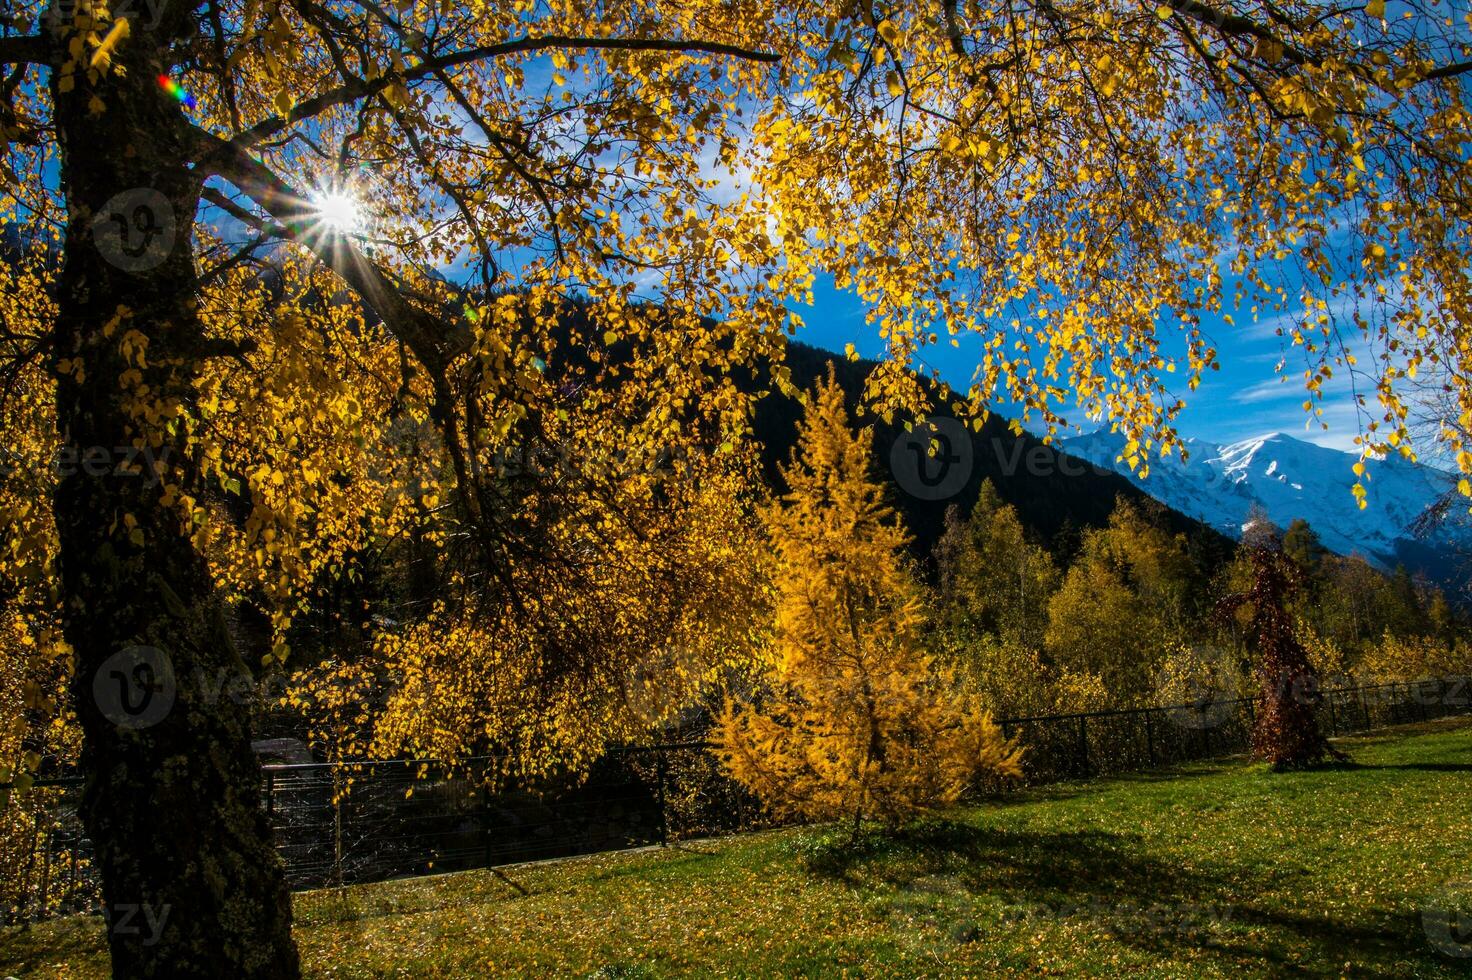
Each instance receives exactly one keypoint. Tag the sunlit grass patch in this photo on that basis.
(1219, 869)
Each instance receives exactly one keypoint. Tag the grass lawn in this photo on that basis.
(1219, 869)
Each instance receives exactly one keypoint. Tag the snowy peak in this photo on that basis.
(1288, 478)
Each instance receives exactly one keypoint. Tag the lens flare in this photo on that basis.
(176, 91)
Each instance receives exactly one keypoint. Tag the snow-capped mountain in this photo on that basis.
(1290, 478)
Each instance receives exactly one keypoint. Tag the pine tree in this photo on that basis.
(861, 722)
(1301, 543)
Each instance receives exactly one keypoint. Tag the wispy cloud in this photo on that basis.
(1274, 389)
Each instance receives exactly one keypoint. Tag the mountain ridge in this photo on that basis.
(1291, 478)
(1056, 495)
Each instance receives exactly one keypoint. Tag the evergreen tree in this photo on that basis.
(1301, 544)
(860, 722)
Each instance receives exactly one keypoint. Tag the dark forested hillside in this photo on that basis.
(1055, 494)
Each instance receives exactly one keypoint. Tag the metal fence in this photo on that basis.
(1136, 739)
(371, 821)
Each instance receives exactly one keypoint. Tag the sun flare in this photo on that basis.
(339, 211)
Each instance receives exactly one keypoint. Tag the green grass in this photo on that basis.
(1219, 869)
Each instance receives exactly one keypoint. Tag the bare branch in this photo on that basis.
(1234, 25)
(1448, 71)
(358, 88)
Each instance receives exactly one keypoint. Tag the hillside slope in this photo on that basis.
(1055, 494)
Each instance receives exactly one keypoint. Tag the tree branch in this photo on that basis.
(1448, 71)
(433, 339)
(24, 49)
(358, 88)
(1234, 25)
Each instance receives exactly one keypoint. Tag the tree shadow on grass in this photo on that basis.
(1070, 788)
(968, 883)
(1420, 766)
(29, 951)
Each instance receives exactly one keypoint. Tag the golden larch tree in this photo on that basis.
(1077, 188)
(860, 722)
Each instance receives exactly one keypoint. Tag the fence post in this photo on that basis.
(25, 895)
(1149, 738)
(664, 824)
(1083, 744)
(1333, 715)
(1365, 707)
(271, 798)
(46, 874)
(485, 816)
(337, 795)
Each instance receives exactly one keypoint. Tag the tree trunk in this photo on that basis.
(191, 884)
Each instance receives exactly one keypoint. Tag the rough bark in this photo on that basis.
(191, 883)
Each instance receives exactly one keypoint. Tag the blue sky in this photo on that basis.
(1244, 399)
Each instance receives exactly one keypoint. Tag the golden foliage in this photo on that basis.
(1077, 190)
(1122, 604)
(665, 605)
(860, 721)
(1414, 658)
(994, 577)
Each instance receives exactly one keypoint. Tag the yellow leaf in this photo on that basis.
(119, 33)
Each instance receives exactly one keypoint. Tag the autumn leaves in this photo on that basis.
(856, 721)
